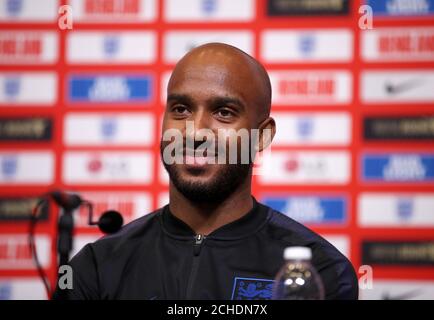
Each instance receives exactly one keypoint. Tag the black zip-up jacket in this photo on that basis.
(158, 256)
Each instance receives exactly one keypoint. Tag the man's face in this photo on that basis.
(214, 95)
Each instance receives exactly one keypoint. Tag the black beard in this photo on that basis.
(228, 179)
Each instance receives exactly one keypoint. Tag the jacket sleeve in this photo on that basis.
(349, 287)
(341, 281)
(336, 271)
(85, 284)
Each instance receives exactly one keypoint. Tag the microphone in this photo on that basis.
(67, 201)
(110, 221)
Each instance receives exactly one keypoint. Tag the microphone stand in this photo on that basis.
(65, 228)
(111, 221)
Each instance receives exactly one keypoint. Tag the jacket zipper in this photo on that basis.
(197, 246)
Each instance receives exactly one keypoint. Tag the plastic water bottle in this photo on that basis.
(298, 279)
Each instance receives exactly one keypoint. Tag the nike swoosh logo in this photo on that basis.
(403, 296)
(402, 87)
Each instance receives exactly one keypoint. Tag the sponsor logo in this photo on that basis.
(417, 253)
(209, 6)
(11, 87)
(398, 44)
(252, 289)
(307, 167)
(310, 209)
(397, 87)
(209, 10)
(111, 45)
(112, 6)
(14, 208)
(136, 47)
(290, 46)
(307, 7)
(29, 89)
(311, 87)
(399, 128)
(23, 45)
(9, 164)
(401, 7)
(397, 210)
(28, 47)
(305, 127)
(109, 129)
(393, 86)
(107, 167)
(109, 88)
(307, 44)
(114, 11)
(19, 168)
(26, 129)
(14, 7)
(312, 129)
(404, 208)
(28, 10)
(15, 252)
(398, 167)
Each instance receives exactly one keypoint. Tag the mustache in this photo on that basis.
(194, 147)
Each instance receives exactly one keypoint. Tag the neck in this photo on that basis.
(204, 218)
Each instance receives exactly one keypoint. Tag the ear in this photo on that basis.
(267, 130)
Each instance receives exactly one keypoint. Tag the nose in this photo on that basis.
(201, 119)
(196, 126)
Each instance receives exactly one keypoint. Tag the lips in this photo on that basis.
(199, 153)
(199, 157)
(200, 161)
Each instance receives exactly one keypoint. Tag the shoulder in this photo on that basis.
(336, 270)
(125, 239)
(285, 229)
(103, 259)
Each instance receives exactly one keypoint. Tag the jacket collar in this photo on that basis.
(248, 224)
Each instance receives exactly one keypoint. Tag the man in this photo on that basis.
(213, 240)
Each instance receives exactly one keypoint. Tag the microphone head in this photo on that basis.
(68, 201)
(110, 221)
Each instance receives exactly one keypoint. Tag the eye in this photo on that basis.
(225, 113)
(180, 110)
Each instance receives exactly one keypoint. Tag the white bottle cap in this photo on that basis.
(297, 253)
